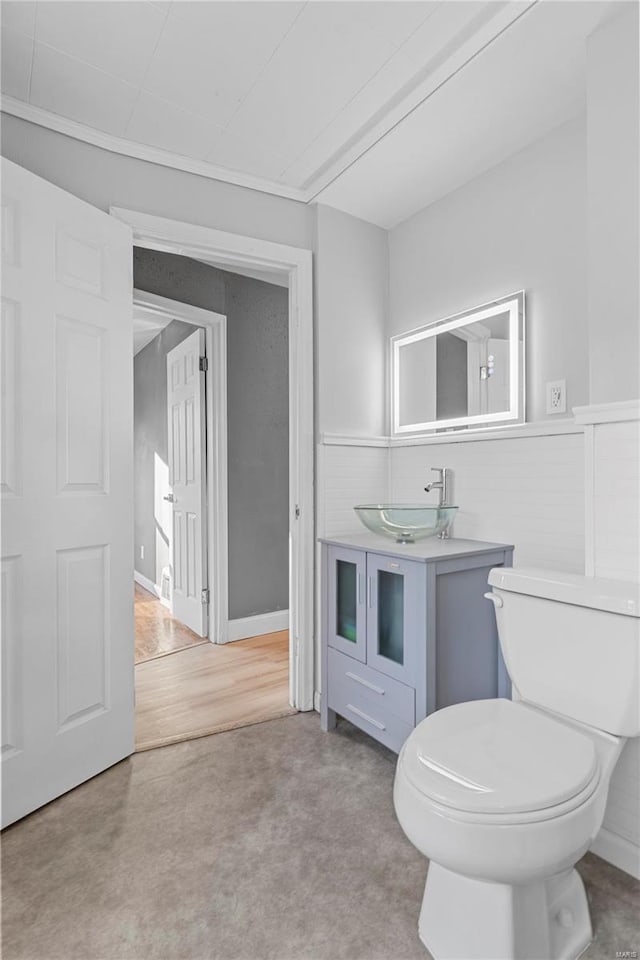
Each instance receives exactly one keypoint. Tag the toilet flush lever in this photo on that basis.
(495, 599)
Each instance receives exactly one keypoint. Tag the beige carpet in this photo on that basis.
(274, 841)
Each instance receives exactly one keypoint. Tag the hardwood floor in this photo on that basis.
(209, 688)
(157, 632)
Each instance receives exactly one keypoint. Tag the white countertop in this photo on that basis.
(432, 548)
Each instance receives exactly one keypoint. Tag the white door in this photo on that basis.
(66, 486)
(186, 425)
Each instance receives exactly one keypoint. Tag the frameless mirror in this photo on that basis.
(462, 372)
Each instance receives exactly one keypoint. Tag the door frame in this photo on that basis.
(217, 521)
(235, 250)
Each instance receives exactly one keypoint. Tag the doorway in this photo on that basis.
(185, 689)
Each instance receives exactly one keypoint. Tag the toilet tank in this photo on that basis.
(572, 644)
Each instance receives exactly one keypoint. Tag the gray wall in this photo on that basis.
(103, 179)
(258, 418)
(150, 439)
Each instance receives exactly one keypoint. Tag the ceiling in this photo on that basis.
(146, 327)
(372, 107)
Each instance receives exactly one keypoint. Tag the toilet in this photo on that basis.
(505, 796)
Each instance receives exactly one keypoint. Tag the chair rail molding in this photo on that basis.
(615, 412)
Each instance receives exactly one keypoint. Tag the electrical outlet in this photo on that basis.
(556, 396)
(142, 551)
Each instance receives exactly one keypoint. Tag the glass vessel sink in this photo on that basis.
(405, 522)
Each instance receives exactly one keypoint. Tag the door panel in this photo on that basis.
(186, 445)
(67, 538)
(347, 628)
(395, 589)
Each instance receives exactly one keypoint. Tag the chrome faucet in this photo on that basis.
(442, 486)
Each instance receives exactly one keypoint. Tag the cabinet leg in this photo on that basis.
(327, 716)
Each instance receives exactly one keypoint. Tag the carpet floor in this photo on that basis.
(275, 841)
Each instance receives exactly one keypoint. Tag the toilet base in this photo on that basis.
(465, 919)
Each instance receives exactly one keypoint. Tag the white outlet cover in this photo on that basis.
(556, 396)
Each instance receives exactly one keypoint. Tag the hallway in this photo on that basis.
(157, 631)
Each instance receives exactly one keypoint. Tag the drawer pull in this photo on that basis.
(365, 716)
(365, 683)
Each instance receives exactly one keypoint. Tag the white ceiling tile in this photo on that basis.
(75, 90)
(246, 156)
(116, 37)
(162, 124)
(210, 54)
(330, 53)
(18, 15)
(398, 19)
(17, 50)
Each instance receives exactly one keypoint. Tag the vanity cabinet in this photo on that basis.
(406, 630)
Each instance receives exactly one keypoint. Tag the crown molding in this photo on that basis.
(140, 151)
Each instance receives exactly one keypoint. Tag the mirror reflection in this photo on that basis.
(464, 371)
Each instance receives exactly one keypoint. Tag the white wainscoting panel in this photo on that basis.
(616, 500)
(622, 817)
(612, 478)
(527, 491)
(347, 476)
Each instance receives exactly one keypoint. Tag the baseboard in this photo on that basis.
(151, 587)
(617, 850)
(147, 584)
(254, 626)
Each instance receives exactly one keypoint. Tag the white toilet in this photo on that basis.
(503, 796)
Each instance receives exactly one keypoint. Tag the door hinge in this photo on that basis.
(204, 596)
(204, 364)
(297, 512)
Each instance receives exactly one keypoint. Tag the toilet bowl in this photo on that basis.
(505, 797)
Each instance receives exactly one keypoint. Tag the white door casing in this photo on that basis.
(186, 449)
(67, 480)
(221, 248)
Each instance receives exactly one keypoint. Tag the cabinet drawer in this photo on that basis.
(375, 690)
(368, 715)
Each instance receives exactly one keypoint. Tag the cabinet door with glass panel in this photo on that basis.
(346, 609)
(395, 615)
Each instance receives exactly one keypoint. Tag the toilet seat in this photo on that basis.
(501, 762)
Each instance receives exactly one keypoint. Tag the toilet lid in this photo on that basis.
(496, 756)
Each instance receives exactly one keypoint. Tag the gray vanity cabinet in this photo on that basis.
(406, 630)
